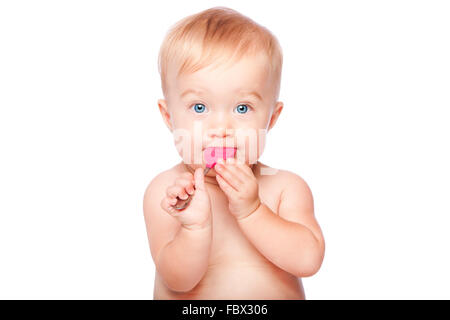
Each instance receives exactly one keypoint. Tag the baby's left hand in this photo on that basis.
(240, 186)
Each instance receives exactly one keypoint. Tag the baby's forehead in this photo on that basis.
(243, 75)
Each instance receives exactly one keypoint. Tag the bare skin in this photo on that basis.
(246, 234)
(235, 268)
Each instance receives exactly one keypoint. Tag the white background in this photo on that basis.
(366, 92)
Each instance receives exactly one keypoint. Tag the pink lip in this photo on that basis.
(212, 154)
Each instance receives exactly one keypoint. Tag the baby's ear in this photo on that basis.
(162, 105)
(276, 113)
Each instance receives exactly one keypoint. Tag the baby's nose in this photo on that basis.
(221, 126)
(220, 132)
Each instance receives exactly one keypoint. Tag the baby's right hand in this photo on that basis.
(197, 214)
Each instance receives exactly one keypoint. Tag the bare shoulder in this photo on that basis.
(293, 182)
(296, 202)
(161, 180)
(285, 179)
(296, 193)
(161, 227)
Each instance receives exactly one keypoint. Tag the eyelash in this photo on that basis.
(192, 105)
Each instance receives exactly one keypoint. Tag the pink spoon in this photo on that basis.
(211, 156)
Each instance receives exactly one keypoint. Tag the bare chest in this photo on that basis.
(229, 242)
(236, 268)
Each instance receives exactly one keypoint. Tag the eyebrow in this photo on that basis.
(197, 92)
(246, 93)
(252, 93)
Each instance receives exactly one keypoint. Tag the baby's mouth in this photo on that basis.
(212, 154)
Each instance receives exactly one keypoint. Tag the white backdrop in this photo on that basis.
(366, 87)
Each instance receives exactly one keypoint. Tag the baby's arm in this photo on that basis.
(292, 240)
(180, 254)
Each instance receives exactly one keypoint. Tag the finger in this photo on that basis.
(243, 168)
(199, 179)
(177, 191)
(225, 186)
(188, 185)
(230, 174)
(230, 161)
(167, 205)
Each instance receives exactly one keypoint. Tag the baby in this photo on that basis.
(249, 231)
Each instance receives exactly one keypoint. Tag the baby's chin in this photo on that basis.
(192, 167)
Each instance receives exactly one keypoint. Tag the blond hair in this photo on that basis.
(216, 35)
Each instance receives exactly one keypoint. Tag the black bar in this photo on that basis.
(223, 309)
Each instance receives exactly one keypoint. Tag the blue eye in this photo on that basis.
(199, 108)
(242, 108)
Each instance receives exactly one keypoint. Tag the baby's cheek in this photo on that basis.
(189, 149)
(254, 156)
(252, 149)
(185, 145)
